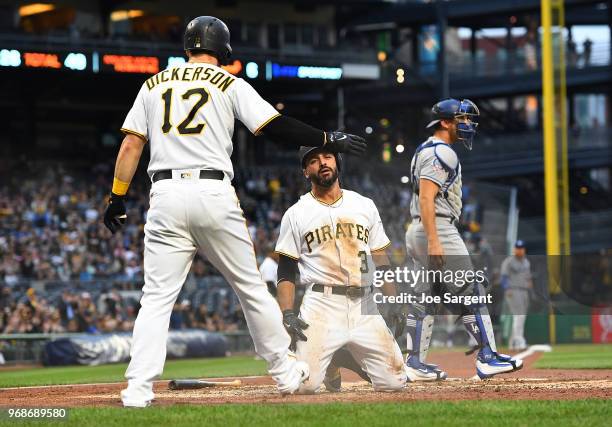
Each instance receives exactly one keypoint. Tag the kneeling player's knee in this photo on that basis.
(395, 383)
(309, 387)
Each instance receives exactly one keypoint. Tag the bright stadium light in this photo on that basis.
(368, 130)
(35, 9)
(174, 61)
(76, 61)
(122, 15)
(10, 58)
(252, 70)
(399, 148)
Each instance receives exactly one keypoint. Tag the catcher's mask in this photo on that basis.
(464, 112)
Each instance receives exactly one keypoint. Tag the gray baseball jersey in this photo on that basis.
(518, 272)
(436, 161)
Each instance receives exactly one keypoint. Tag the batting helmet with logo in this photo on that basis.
(208, 34)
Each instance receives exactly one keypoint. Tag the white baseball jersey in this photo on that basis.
(187, 114)
(333, 242)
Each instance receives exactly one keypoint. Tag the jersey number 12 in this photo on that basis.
(184, 128)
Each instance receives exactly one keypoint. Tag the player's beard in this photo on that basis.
(452, 132)
(325, 182)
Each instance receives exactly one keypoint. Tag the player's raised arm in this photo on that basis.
(262, 118)
(287, 130)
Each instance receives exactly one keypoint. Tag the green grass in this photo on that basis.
(468, 413)
(187, 368)
(586, 356)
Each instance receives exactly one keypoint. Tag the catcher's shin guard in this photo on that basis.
(477, 322)
(419, 328)
(488, 362)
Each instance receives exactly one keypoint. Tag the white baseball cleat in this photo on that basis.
(489, 364)
(419, 371)
(131, 401)
(304, 374)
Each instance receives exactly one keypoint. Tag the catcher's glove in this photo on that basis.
(114, 215)
(340, 142)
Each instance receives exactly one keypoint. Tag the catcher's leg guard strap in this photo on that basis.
(478, 323)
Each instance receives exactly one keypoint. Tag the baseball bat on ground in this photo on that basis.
(192, 384)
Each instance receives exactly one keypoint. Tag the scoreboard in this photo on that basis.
(112, 62)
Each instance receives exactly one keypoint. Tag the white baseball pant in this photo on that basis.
(337, 321)
(184, 215)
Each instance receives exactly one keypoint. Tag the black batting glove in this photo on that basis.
(114, 215)
(340, 142)
(294, 326)
(396, 319)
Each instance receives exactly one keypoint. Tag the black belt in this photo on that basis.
(204, 174)
(454, 221)
(349, 291)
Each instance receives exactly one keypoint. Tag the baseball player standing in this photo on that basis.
(517, 282)
(331, 236)
(433, 242)
(186, 114)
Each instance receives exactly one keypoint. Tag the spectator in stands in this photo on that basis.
(51, 234)
(587, 46)
(203, 320)
(268, 269)
(86, 314)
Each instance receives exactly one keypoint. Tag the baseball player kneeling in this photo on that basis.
(333, 236)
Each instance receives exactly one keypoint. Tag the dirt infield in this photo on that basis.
(527, 384)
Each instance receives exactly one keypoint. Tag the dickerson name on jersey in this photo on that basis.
(343, 230)
(190, 74)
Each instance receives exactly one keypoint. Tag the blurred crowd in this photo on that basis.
(52, 239)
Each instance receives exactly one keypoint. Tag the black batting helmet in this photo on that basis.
(307, 151)
(209, 34)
